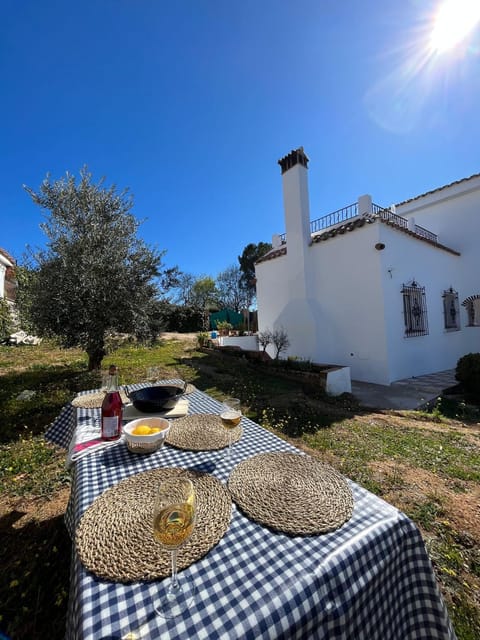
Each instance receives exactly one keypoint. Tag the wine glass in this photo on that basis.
(173, 523)
(230, 415)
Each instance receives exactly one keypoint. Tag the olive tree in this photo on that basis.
(95, 275)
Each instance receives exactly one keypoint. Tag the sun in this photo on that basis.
(454, 21)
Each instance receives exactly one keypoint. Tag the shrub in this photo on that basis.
(202, 338)
(224, 327)
(468, 373)
(6, 325)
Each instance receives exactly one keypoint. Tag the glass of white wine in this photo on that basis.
(230, 415)
(173, 524)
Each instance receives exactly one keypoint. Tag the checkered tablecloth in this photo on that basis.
(370, 580)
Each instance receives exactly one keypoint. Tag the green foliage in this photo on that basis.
(23, 301)
(224, 326)
(179, 318)
(95, 277)
(247, 260)
(6, 324)
(202, 338)
(468, 373)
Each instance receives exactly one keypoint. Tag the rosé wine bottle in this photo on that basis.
(112, 407)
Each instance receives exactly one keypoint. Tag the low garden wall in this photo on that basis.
(333, 379)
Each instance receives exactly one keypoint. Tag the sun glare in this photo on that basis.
(453, 22)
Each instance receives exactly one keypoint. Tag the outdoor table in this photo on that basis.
(371, 579)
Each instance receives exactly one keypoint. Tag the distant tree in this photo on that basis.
(280, 341)
(204, 297)
(250, 255)
(169, 280)
(95, 276)
(182, 292)
(231, 291)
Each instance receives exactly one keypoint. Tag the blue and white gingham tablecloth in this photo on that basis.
(369, 580)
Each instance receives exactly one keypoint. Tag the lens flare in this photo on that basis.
(454, 21)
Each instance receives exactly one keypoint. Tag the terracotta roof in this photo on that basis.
(7, 255)
(446, 186)
(351, 225)
(273, 253)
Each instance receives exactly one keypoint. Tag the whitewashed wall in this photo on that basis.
(340, 300)
(453, 213)
(4, 263)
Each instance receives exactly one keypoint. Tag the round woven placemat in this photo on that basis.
(291, 493)
(201, 432)
(114, 538)
(94, 400)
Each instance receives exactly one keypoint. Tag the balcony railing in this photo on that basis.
(351, 211)
(334, 218)
(425, 233)
(388, 215)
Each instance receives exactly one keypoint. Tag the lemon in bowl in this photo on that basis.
(146, 435)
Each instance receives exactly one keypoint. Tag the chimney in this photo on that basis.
(297, 216)
(295, 198)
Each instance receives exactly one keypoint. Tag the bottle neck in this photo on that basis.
(112, 382)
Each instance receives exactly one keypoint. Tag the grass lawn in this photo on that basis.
(428, 465)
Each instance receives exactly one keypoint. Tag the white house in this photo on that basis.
(389, 292)
(5, 263)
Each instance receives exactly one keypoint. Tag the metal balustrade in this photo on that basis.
(351, 211)
(334, 218)
(424, 233)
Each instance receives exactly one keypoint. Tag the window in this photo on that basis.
(472, 305)
(414, 310)
(451, 311)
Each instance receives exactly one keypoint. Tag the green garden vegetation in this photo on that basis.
(425, 463)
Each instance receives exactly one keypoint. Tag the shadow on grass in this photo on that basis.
(35, 560)
(52, 388)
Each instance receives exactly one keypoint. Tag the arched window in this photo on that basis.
(414, 310)
(451, 311)
(472, 305)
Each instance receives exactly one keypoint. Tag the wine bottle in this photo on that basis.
(112, 407)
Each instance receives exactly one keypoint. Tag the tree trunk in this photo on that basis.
(95, 357)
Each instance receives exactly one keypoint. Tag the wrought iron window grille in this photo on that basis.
(414, 310)
(451, 310)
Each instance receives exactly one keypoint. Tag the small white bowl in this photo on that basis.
(149, 442)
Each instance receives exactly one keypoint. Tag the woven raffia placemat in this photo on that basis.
(201, 432)
(94, 400)
(291, 493)
(114, 538)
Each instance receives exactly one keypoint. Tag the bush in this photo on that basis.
(468, 374)
(224, 327)
(6, 325)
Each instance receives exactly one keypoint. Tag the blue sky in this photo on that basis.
(191, 103)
